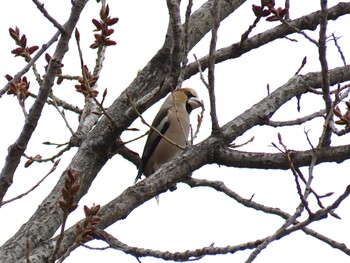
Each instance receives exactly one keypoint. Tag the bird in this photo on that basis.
(173, 122)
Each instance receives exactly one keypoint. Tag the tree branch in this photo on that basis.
(42, 9)
(308, 22)
(211, 69)
(297, 121)
(233, 158)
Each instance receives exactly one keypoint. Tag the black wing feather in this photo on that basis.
(153, 140)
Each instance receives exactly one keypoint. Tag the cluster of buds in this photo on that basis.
(48, 58)
(84, 232)
(102, 38)
(21, 42)
(344, 119)
(19, 88)
(267, 8)
(69, 192)
(86, 82)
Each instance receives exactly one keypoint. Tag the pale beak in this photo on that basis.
(195, 102)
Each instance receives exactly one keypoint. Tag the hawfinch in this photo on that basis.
(173, 122)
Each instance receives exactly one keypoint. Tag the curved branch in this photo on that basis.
(297, 121)
(188, 255)
(308, 22)
(220, 187)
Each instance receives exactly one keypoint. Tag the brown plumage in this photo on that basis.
(172, 121)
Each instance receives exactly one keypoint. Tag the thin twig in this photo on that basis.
(69, 77)
(61, 103)
(200, 118)
(40, 6)
(303, 63)
(346, 87)
(325, 138)
(297, 121)
(185, 44)
(21, 102)
(34, 187)
(211, 66)
(245, 35)
(335, 39)
(55, 156)
(137, 138)
(234, 145)
(297, 174)
(201, 75)
(284, 21)
(54, 103)
(87, 83)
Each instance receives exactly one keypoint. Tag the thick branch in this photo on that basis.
(308, 22)
(233, 158)
(261, 112)
(177, 49)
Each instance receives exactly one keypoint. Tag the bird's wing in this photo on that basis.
(161, 123)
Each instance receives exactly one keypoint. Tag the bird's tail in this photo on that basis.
(138, 176)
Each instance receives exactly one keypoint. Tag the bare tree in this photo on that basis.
(97, 135)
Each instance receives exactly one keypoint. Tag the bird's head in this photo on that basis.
(188, 97)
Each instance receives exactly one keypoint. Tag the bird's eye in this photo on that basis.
(188, 94)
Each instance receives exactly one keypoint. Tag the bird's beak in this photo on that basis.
(195, 102)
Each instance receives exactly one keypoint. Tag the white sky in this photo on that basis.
(187, 218)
